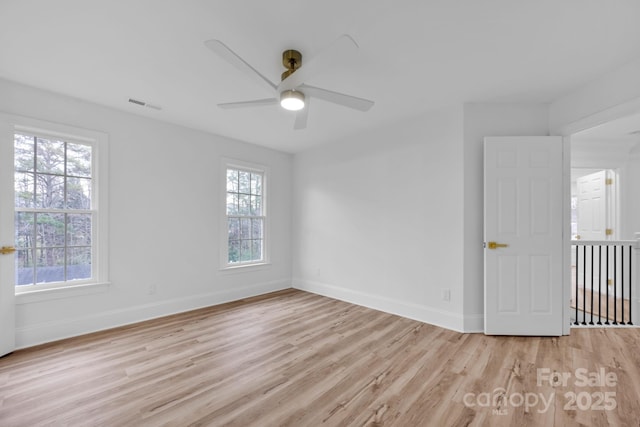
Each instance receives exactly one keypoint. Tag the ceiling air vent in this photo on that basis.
(144, 104)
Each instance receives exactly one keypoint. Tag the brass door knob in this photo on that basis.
(6, 250)
(495, 245)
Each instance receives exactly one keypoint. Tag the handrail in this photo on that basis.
(603, 242)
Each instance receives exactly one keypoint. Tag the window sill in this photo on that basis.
(244, 268)
(40, 295)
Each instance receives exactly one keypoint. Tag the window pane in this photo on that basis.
(256, 228)
(245, 228)
(78, 193)
(234, 251)
(244, 178)
(24, 267)
(78, 229)
(256, 184)
(49, 191)
(256, 250)
(232, 180)
(23, 184)
(78, 160)
(50, 156)
(24, 229)
(234, 229)
(79, 263)
(49, 229)
(256, 205)
(23, 152)
(49, 265)
(232, 204)
(245, 250)
(245, 204)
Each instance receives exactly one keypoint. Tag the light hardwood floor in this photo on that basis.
(296, 359)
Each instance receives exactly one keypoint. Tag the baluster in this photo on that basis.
(630, 282)
(592, 273)
(615, 285)
(599, 285)
(622, 284)
(584, 285)
(576, 283)
(607, 298)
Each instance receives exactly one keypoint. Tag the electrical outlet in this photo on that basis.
(152, 289)
(446, 295)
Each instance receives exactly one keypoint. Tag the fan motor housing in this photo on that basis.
(292, 60)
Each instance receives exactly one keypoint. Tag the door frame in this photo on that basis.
(7, 238)
(587, 122)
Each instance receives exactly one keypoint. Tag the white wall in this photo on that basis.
(378, 219)
(481, 120)
(164, 207)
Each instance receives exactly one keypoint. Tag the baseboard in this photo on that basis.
(31, 335)
(433, 316)
(474, 323)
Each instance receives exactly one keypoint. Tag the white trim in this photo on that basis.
(224, 266)
(7, 238)
(99, 142)
(474, 324)
(51, 331)
(421, 313)
(566, 235)
(68, 291)
(245, 267)
(598, 118)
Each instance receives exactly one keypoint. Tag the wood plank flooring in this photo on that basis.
(618, 308)
(296, 359)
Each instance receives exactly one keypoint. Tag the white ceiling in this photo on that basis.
(414, 55)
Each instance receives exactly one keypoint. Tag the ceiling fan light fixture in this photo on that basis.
(292, 100)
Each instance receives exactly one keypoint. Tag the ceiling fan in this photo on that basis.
(292, 93)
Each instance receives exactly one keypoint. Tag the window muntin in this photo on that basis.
(54, 214)
(245, 216)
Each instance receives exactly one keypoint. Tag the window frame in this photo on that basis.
(99, 209)
(225, 265)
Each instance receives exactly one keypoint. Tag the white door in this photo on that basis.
(523, 224)
(7, 286)
(592, 206)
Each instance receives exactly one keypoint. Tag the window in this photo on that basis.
(59, 236)
(245, 216)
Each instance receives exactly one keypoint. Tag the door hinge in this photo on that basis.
(608, 181)
(608, 232)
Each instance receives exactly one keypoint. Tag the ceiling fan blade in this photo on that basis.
(234, 59)
(254, 103)
(356, 103)
(340, 50)
(302, 116)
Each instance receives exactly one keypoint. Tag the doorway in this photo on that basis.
(604, 177)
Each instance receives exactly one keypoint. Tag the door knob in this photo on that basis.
(495, 245)
(5, 250)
